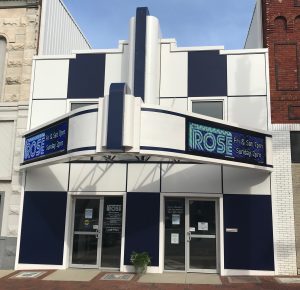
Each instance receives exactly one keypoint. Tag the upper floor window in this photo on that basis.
(2, 62)
(211, 108)
(77, 105)
(295, 146)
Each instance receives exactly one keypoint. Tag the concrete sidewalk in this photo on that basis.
(93, 279)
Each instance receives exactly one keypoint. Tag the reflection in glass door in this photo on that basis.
(201, 247)
(97, 232)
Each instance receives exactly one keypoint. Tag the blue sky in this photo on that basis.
(191, 22)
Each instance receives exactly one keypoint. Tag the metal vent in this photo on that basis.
(25, 275)
(118, 277)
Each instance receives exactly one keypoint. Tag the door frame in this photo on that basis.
(218, 198)
(100, 223)
(68, 247)
(187, 243)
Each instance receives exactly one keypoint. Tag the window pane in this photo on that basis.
(75, 106)
(2, 61)
(202, 244)
(175, 234)
(295, 147)
(112, 232)
(85, 249)
(86, 215)
(209, 108)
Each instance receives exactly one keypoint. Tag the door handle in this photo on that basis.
(188, 236)
(98, 234)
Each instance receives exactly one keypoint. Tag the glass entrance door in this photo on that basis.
(97, 232)
(86, 234)
(190, 235)
(201, 236)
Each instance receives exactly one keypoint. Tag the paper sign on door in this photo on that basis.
(174, 239)
(175, 219)
(202, 226)
(88, 213)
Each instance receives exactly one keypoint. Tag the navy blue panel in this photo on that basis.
(142, 225)
(86, 76)
(115, 117)
(140, 51)
(251, 248)
(164, 112)
(207, 74)
(43, 228)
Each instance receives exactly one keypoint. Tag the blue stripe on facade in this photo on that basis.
(151, 148)
(140, 51)
(115, 117)
(164, 112)
(142, 225)
(82, 149)
(86, 76)
(207, 74)
(251, 248)
(43, 228)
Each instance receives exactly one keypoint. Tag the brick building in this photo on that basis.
(276, 26)
(27, 28)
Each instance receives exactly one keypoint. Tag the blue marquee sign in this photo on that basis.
(225, 142)
(47, 142)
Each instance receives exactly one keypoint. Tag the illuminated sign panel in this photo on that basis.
(47, 142)
(224, 142)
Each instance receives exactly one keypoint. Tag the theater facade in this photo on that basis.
(149, 147)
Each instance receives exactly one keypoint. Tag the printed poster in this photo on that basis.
(88, 213)
(175, 219)
(174, 239)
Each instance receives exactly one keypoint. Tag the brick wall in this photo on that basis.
(281, 21)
